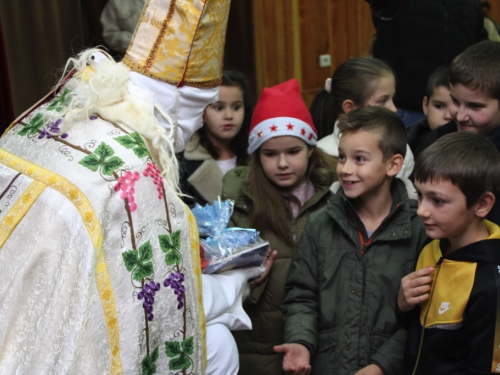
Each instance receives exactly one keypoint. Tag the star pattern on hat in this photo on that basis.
(259, 134)
(290, 126)
(273, 128)
(310, 136)
(303, 131)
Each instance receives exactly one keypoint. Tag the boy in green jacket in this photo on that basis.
(344, 278)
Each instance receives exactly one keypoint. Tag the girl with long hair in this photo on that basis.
(288, 178)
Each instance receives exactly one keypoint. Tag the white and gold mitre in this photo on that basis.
(180, 42)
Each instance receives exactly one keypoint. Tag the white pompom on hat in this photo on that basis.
(281, 111)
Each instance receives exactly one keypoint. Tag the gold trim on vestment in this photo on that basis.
(44, 177)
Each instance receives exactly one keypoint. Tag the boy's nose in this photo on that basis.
(461, 115)
(422, 211)
(345, 168)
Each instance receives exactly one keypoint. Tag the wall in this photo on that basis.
(291, 34)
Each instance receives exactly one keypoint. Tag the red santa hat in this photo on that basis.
(281, 111)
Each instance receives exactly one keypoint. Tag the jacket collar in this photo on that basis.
(401, 213)
(485, 251)
(326, 178)
(194, 150)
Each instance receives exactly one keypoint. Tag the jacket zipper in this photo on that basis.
(364, 244)
(438, 265)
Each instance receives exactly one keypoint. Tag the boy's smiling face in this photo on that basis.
(443, 209)
(361, 168)
(474, 110)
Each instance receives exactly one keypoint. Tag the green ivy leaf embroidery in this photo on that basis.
(130, 259)
(170, 244)
(33, 126)
(179, 352)
(179, 363)
(149, 363)
(102, 157)
(140, 260)
(135, 142)
(188, 346)
(155, 354)
(60, 102)
(172, 348)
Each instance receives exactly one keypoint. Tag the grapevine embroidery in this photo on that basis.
(137, 260)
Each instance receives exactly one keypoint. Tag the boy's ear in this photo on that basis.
(394, 165)
(348, 106)
(485, 204)
(424, 105)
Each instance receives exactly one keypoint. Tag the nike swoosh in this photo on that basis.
(442, 311)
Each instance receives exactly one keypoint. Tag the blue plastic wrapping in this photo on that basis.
(227, 248)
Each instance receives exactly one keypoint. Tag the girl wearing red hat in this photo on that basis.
(288, 178)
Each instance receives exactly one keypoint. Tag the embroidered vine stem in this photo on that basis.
(8, 187)
(166, 209)
(112, 123)
(59, 139)
(130, 223)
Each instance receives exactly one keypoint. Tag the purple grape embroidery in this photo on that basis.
(175, 281)
(148, 294)
(52, 127)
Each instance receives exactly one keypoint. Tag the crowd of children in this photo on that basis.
(371, 273)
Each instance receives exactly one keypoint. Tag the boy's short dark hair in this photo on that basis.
(477, 68)
(437, 79)
(387, 124)
(468, 160)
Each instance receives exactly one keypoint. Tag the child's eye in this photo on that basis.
(269, 154)
(439, 106)
(341, 158)
(360, 159)
(476, 106)
(294, 151)
(237, 107)
(216, 107)
(437, 201)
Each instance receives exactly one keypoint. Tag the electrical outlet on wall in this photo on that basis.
(325, 61)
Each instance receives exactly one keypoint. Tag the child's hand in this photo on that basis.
(370, 370)
(268, 263)
(296, 360)
(414, 289)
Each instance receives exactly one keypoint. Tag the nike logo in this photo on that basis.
(445, 306)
